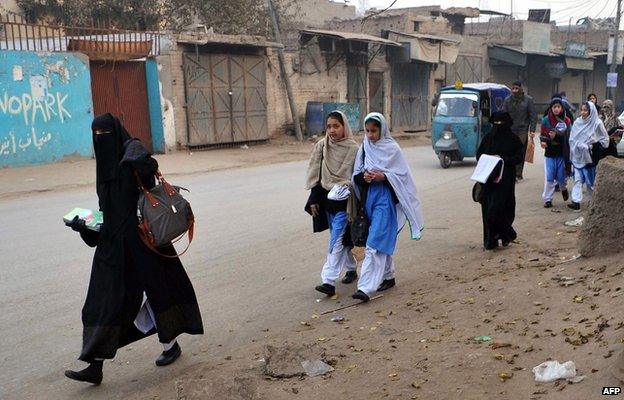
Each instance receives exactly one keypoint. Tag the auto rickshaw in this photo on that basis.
(461, 119)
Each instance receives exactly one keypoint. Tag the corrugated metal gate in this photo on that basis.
(410, 96)
(120, 88)
(225, 98)
(356, 88)
(376, 92)
(466, 69)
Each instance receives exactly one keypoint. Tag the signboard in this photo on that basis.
(575, 49)
(612, 78)
(536, 37)
(539, 15)
(555, 69)
(620, 50)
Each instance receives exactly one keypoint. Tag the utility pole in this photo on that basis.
(285, 77)
(611, 91)
(511, 20)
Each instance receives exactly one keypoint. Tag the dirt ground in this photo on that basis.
(535, 300)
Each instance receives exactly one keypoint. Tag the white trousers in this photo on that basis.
(376, 268)
(339, 258)
(577, 190)
(549, 189)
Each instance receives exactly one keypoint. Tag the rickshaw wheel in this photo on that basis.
(445, 159)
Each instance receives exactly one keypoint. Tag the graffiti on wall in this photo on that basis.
(45, 107)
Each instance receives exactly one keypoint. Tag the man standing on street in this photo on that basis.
(520, 107)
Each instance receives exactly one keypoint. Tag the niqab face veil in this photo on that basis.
(108, 146)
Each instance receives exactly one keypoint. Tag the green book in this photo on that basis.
(93, 219)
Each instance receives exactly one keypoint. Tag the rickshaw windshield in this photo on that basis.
(458, 105)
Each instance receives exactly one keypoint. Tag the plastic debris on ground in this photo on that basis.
(316, 368)
(551, 371)
(337, 318)
(482, 339)
(575, 222)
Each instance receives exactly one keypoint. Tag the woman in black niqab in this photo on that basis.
(124, 269)
(498, 205)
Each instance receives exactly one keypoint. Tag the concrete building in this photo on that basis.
(547, 58)
(10, 7)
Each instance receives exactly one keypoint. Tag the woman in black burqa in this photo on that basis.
(126, 276)
(498, 204)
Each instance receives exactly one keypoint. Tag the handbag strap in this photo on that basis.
(143, 235)
(321, 165)
(364, 192)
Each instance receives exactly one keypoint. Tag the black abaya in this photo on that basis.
(498, 206)
(123, 267)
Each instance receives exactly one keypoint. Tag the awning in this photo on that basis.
(584, 64)
(513, 55)
(233, 40)
(356, 37)
(427, 48)
(111, 51)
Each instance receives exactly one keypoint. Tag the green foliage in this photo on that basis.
(224, 16)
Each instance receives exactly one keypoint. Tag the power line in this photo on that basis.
(378, 12)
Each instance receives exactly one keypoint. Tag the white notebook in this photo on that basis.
(485, 167)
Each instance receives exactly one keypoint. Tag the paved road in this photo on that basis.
(254, 264)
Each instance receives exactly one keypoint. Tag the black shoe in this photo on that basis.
(548, 204)
(386, 284)
(169, 356)
(505, 243)
(491, 246)
(574, 206)
(359, 295)
(565, 194)
(349, 277)
(91, 374)
(557, 188)
(326, 288)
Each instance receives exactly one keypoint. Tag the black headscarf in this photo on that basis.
(502, 122)
(109, 146)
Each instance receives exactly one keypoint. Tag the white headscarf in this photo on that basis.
(386, 156)
(585, 132)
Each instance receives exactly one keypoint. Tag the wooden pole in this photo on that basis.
(285, 77)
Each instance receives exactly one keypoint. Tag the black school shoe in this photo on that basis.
(359, 295)
(565, 194)
(92, 374)
(349, 277)
(548, 204)
(169, 356)
(386, 284)
(574, 206)
(326, 288)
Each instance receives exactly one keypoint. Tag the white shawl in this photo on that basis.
(386, 156)
(585, 132)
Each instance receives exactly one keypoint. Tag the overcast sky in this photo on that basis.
(561, 10)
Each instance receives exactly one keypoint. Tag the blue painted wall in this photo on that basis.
(45, 107)
(155, 110)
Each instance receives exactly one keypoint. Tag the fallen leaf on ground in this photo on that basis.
(503, 376)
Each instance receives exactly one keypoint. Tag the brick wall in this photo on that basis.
(372, 26)
(325, 86)
(315, 13)
(178, 98)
